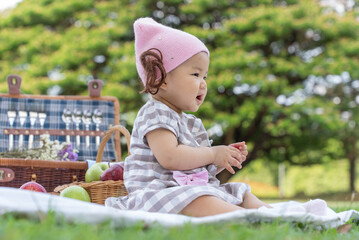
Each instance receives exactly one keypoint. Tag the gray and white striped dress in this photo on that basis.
(151, 187)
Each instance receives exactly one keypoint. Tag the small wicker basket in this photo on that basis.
(100, 190)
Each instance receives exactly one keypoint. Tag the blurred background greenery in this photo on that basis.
(284, 75)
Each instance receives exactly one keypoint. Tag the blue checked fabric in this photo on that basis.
(54, 109)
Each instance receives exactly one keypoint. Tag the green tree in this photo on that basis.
(284, 80)
(277, 68)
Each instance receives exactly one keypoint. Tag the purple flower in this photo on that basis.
(72, 156)
(67, 153)
(69, 147)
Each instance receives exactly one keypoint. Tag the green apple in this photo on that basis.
(95, 171)
(76, 192)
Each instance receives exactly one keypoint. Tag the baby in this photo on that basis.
(172, 167)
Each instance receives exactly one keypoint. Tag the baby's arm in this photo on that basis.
(174, 156)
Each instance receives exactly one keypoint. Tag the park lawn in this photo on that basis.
(12, 228)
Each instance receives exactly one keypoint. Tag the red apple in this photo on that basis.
(114, 172)
(33, 186)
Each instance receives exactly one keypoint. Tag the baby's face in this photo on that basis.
(186, 86)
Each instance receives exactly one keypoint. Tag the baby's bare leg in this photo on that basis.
(251, 201)
(208, 205)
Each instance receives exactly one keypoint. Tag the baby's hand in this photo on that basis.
(227, 156)
(241, 146)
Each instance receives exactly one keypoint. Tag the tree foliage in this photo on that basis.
(283, 74)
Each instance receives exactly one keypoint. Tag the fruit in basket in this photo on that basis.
(114, 172)
(76, 192)
(33, 186)
(95, 171)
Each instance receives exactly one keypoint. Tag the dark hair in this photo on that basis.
(152, 64)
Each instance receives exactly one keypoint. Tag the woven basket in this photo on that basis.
(15, 171)
(100, 190)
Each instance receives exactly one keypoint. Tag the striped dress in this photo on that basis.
(151, 187)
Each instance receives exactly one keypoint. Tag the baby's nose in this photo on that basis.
(203, 84)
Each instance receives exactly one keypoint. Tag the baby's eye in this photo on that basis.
(196, 74)
(205, 77)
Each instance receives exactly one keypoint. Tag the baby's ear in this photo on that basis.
(164, 85)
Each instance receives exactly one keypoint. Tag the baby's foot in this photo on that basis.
(316, 206)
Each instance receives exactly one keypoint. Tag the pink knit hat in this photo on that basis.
(175, 45)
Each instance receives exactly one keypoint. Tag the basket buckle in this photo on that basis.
(33, 177)
(6, 175)
(14, 83)
(74, 178)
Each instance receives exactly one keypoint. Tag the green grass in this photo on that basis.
(49, 228)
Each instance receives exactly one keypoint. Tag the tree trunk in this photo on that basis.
(224, 176)
(351, 153)
(352, 165)
(229, 136)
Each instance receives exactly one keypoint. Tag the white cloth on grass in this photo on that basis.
(37, 205)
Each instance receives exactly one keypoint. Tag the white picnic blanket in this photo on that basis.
(37, 205)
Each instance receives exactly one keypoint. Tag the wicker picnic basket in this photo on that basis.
(99, 191)
(16, 171)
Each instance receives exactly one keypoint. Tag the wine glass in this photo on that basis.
(67, 118)
(86, 119)
(97, 119)
(76, 118)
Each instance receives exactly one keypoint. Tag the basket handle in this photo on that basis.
(108, 135)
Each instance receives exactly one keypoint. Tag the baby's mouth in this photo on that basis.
(199, 97)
